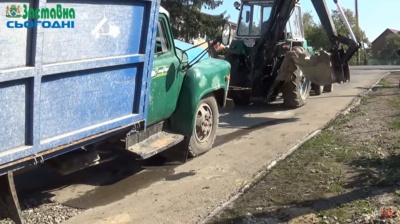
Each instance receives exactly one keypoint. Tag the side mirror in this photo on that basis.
(247, 16)
(398, 52)
(236, 5)
(185, 60)
(226, 34)
(183, 57)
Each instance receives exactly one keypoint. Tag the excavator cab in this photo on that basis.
(257, 13)
(270, 34)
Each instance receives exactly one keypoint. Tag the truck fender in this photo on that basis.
(210, 76)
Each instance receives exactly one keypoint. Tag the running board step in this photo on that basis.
(155, 144)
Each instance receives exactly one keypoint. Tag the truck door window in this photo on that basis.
(162, 45)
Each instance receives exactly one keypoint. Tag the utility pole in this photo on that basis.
(358, 27)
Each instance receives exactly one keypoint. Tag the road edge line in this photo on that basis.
(264, 170)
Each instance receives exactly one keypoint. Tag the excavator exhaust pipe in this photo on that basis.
(322, 69)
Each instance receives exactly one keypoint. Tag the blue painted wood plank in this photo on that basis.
(17, 73)
(92, 64)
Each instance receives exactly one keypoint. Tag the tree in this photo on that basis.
(315, 33)
(308, 22)
(342, 29)
(318, 39)
(188, 22)
(389, 50)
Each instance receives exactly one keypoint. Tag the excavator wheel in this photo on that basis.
(296, 91)
(328, 88)
(317, 89)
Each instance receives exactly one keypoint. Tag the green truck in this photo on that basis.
(125, 82)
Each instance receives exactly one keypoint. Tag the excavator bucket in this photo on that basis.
(322, 68)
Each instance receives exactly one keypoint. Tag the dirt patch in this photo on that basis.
(350, 173)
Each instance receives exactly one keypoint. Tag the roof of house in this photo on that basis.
(393, 31)
(232, 23)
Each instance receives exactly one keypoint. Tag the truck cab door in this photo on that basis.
(166, 77)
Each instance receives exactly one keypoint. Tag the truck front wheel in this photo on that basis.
(205, 128)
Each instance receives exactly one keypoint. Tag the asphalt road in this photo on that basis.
(249, 139)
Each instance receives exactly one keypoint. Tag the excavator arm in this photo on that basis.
(324, 68)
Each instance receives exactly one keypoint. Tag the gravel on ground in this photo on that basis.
(41, 211)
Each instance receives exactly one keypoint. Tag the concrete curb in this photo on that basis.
(353, 104)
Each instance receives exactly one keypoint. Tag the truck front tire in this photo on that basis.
(205, 128)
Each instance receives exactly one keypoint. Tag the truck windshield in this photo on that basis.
(253, 19)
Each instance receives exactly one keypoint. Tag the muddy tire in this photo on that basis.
(205, 128)
(296, 91)
(328, 88)
(317, 89)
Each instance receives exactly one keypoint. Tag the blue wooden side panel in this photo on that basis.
(95, 96)
(14, 42)
(104, 30)
(58, 86)
(13, 98)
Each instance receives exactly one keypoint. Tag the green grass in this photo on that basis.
(384, 83)
(328, 166)
(368, 98)
(395, 103)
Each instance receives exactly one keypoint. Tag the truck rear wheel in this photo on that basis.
(296, 91)
(205, 128)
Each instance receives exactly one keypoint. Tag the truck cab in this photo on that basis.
(187, 88)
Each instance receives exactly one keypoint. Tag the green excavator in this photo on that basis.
(269, 55)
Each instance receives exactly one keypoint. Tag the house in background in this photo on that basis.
(380, 41)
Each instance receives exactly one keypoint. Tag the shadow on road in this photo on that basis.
(112, 181)
(225, 138)
(258, 106)
(237, 119)
(93, 186)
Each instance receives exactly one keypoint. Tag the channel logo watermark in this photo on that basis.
(43, 17)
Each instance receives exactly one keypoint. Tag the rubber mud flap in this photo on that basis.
(230, 104)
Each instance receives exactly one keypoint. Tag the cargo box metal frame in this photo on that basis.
(59, 92)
